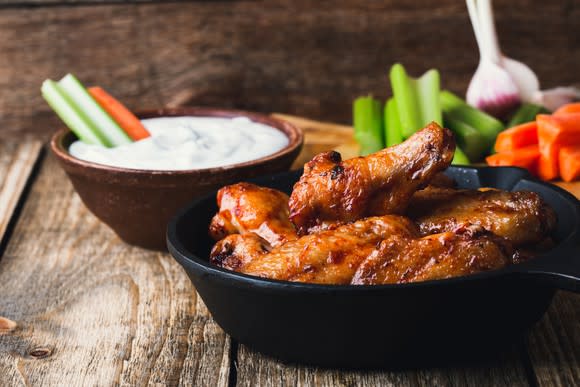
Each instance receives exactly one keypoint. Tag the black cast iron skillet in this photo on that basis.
(388, 325)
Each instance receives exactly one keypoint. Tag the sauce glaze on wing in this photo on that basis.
(331, 190)
(246, 207)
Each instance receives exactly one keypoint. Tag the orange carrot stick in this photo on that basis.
(517, 137)
(126, 120)
(555, 132)
(524, 157)
(570, 163)
(568, 108)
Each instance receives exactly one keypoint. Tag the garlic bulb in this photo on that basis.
(494, 88)
(501, 83)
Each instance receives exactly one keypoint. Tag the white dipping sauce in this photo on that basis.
(180, 143)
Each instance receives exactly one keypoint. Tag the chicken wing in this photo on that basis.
(246, 207)
(331, 190)
(466, 250)
(523, 218)
(330, 256)
(237, 250)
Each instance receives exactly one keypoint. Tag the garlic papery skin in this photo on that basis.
(554, 98)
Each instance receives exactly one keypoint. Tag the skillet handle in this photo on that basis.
(560, 268)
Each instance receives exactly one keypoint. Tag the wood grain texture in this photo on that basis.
(301, 57)
(91, 310)
(254, 369)
(555, 343)
(17, 159)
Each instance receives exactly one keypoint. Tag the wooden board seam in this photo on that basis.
(14, 216)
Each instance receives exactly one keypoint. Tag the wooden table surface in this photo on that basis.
(80, 307)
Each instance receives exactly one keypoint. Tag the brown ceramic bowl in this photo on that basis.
(137, 204)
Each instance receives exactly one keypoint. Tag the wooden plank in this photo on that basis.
(91, 310)
(255, 369)
(305, 58)
(572, 187)
(554, 344)
(17, 159)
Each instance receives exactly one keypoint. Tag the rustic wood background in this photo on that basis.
(309, 58)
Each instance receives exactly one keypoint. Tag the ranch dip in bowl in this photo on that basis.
(136, 188)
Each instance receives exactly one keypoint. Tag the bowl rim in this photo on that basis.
(294, 134)
(185, 257)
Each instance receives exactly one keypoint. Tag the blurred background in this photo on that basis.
(309, 58)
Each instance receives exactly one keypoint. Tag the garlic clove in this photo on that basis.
(552, 99)
(492, 89)
(523, 76)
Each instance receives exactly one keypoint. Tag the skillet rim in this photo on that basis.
(184, 257)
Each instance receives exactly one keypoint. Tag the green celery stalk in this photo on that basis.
(82, 100)
(458, 109)
(459, 158)
(80, 126)
(393, 134)
(406, 99)
(418, 101)
(527, 112)
(468, 138)
(428, 89)
(368, 124)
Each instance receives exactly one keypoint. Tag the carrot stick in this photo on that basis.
(517, 137)
(569, 161)
(555, 132)
(526, 157)
(548, 167)
(568, 108)
(127, 120)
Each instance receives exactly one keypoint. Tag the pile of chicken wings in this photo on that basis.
(390, 217)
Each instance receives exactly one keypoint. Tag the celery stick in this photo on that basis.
(527, 112)
(455, 107)
(368, 124)
(468, 138)
(459, 158)
(417, 99)
(406, 98)
(107, 127)
(80, 126)
(428, 90)
(393, 135)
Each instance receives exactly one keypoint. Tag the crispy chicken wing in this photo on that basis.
(332, 190)
(246, 207)
(237, 250)
(330, 256)
(467, 250)
(523, 218)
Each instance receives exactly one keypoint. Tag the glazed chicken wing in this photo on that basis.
(332, 190)
(330, 256)
(467, 250)
(246, 207)
(237, 250)
(523, 218)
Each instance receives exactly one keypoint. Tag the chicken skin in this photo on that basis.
(522, 217)
(466, 250)
(328, 257)
(331, 190)
(237, 250)
(246, 207)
